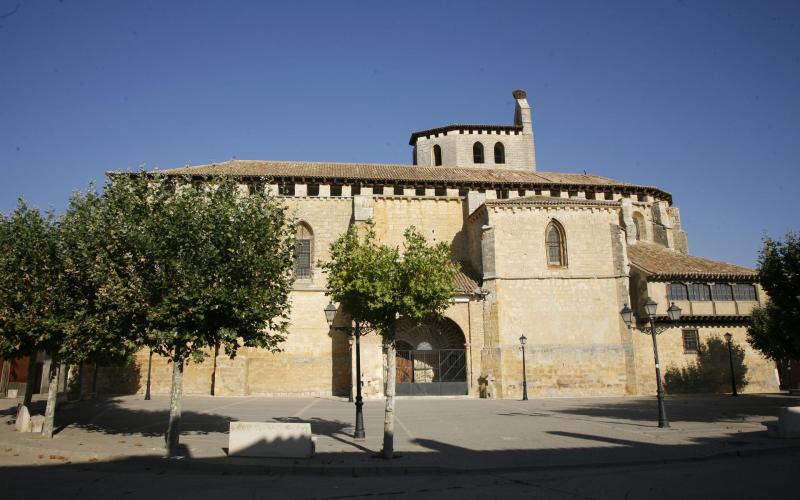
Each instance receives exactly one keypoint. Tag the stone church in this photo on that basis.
(550, 256)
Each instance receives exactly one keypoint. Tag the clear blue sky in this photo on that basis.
(699, 98)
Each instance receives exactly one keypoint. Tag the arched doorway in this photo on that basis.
(431, 358)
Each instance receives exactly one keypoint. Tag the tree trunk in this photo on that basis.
(52, 399)
(31, 376)
(94, 382)
(214, 369)
(173, 430)
(391, 378)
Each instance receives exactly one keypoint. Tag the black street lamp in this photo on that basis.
(674, 313)
(522, 341)
(728, 338)
(357, 332)
(149, 373)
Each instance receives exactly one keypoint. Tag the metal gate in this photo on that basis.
(431, 373)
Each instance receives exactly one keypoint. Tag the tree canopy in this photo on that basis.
(775, 328)
(188, 267)
(377, 283)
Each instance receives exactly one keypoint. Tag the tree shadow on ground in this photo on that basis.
(686, 408)
(711, 373)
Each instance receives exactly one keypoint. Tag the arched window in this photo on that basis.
(499, 153)
(555, 244)
(303, 251)
(477, 153)
(638, 221)
(437, 155)
(677, 291)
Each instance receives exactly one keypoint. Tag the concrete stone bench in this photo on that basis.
(787, 425)
(271, 439)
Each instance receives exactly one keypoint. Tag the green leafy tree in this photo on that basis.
(194, 267)
(775, 328)
(29, 292)
(376, 284)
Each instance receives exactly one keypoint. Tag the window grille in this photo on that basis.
(355, 189)
(313, 190)
(336, 190)
(609, 195)
(302, 252)
(691, 341)
(590, 195)
(419, 191)
(744, 291)
(398, 190)
(286, 189)
(721, 291)
(554, 241)
(440, 191)
(699, 291)
(377, 189)
(677, 291)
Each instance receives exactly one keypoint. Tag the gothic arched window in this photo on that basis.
(556, 244)
(499, 153)
(303, 251)
(477, 153)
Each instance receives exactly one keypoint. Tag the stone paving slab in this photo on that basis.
(431, 434)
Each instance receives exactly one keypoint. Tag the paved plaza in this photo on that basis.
(432, 435)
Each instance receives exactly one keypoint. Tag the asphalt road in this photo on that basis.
(758, 477)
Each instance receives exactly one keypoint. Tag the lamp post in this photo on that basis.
(728, 338)
(674, 313)
(330, 314)
(522, 341)
(149, 372)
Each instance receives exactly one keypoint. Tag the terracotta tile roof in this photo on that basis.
(398, 173)
(549, 200)
(464, 282)
(663, 263)
(462, 126)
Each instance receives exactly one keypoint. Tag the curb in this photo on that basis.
(256, 466)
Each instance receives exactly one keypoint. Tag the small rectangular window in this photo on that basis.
(463, 191)
(286, 189)
(520, 192)
(398, 190)
(573, 194)
(537, 192)
(744, 291)
(691, 341)
(419, 191)
(336, 189)
(377, 189)
(502, 194)
(440, 191)
(313, 190)
(609, 195)
(555, 193)
(641, 197)
(355, 189)
(590, 195)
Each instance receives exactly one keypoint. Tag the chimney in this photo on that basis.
(522, 116)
